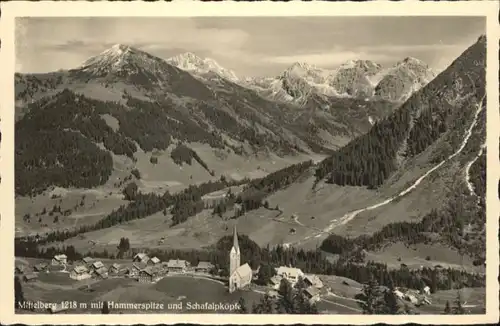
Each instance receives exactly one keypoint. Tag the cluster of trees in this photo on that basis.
(369, 159)
(291, 300)
(63, 158)
(143, 205)
(183, 154)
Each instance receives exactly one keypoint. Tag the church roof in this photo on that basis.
(244, 271)
(235, 239)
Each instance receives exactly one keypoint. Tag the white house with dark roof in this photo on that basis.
(154, 261)
(313, 280)
(79, 273)
(87, 260)
(240, 276)
(312, 294)
(291, 274)
(59, 260)
(177, 265)
(101, 273)
(115, 268)
(141, 257)
(97, 264)
(204, 267)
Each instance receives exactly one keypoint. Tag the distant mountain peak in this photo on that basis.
(412, 61)
(190, 62)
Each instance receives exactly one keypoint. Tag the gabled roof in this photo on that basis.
(40, 266)
(30, 276)
(87, 259)
(155, 260)
(141, 256)
(80, 269)
(97, 264)
(204, 264)
(20, 267)
(243, 271)
(139, 266)
(314, 280)
(291, 271)
(60, 257)
(115, 266)
(101, 271)
(311, 291)
(151, 270)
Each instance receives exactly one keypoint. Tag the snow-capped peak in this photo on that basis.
(114, 56)
(192, 63)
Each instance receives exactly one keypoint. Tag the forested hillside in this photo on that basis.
(445, 105)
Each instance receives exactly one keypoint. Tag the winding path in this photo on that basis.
(470, 186)
(349, 216)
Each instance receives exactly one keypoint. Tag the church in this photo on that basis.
(239, 275)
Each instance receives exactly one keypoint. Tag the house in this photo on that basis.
(79, 273)
(275, 282)
(411, 297)
(101, 273)
(30, 277)
(141, 258)
(60, 260)
(136, 268)
(154, 261)
(57, 308)
(115, 268)
(176, 265)
(312, 294)
(87, 260)
(150, 274)
(426, 290)
(96, 265)
(20, 269)
(40, 267)
(204, 267)
(291, 274)
(426, 301)
(240, 278)
(313, 280)
(399, 294)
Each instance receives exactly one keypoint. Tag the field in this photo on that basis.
(316, 210)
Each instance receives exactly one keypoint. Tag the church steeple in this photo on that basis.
(235, 239)
(234, 255)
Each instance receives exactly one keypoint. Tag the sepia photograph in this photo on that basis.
(305, 165)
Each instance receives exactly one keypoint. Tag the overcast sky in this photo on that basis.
(250, 46)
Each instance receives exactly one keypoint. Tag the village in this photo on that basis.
(145, 269)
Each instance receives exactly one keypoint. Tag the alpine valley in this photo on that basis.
(355, 172)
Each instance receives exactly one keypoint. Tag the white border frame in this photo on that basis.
(186, 8)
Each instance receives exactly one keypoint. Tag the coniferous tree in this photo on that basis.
(242, 306)
(391, 301)
(458, 309)
(447, 308)
(18, 293)
(265, 306)
(105, 308)
(372, 300)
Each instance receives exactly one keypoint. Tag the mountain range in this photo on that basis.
(126, 115)
(355, 78)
